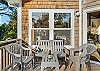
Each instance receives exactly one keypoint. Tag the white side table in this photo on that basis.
(50, 63)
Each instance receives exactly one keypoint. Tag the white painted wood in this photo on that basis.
(49, 63)
(53, 45)
(84, 27)
(19, 23)
(51, 23)
(72, 33)
(0, 60)
(30, 27)
(80, 23)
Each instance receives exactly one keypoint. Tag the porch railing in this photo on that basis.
(10, 51)
(5, 56)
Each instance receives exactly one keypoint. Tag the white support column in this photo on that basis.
(72, 23)
(30, 27)
(0, 60)
(80, 23)
(84, 27)
(19, 23)
(51, 25)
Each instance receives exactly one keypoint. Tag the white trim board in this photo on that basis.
(80, 22)
(51, 20)
(19, 23)
(94, 9)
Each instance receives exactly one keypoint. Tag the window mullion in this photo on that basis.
(51, 25)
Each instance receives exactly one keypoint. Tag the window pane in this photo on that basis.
(63, 34)
(40, 35)
(62, 20)
(40, 20)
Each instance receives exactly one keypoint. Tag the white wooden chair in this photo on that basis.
(56, 46)
(53, 45)
(81, 56)
(72, 57)
(20, 55)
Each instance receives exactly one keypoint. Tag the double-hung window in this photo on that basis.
(51, 24)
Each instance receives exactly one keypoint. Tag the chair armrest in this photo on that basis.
(26, 48)
(67, 51)
(17, 55)
(13, 54)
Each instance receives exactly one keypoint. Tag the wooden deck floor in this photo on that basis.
(94, 67)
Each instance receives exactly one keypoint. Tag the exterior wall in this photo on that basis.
(48, 4)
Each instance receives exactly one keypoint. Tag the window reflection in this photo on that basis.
(62, 20)
(40, 20)
(40, 35)
(63, 34)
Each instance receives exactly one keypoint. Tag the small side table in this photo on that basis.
(50, 63)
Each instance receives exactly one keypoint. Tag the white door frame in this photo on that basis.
(94, 9)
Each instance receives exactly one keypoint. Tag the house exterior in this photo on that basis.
(73, 28)
(52, 7)
(70, 20)
(77, 34)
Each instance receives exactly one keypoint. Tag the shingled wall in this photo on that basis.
(48, 4)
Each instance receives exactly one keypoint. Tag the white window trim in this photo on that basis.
(94, 9)
(51, 20)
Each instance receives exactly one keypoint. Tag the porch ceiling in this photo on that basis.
(13, 1)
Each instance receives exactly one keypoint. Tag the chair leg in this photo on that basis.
(32, 63)
(88, 65)
(12, 67)
(22, 66)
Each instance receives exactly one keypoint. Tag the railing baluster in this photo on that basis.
(0, 59)
(7, 49)
(3, 58)
(6, 58)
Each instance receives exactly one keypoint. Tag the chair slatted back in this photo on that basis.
(53, 45)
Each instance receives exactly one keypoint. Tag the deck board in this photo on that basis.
(95, 67)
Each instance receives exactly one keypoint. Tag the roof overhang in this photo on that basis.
(25, 1)
(13, 1)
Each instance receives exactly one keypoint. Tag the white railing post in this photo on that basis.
(0, 59)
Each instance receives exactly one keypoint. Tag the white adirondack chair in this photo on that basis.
(55, 46)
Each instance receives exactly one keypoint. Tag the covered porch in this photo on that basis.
(51, 36)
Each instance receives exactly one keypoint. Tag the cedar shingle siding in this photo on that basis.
(48, 4)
